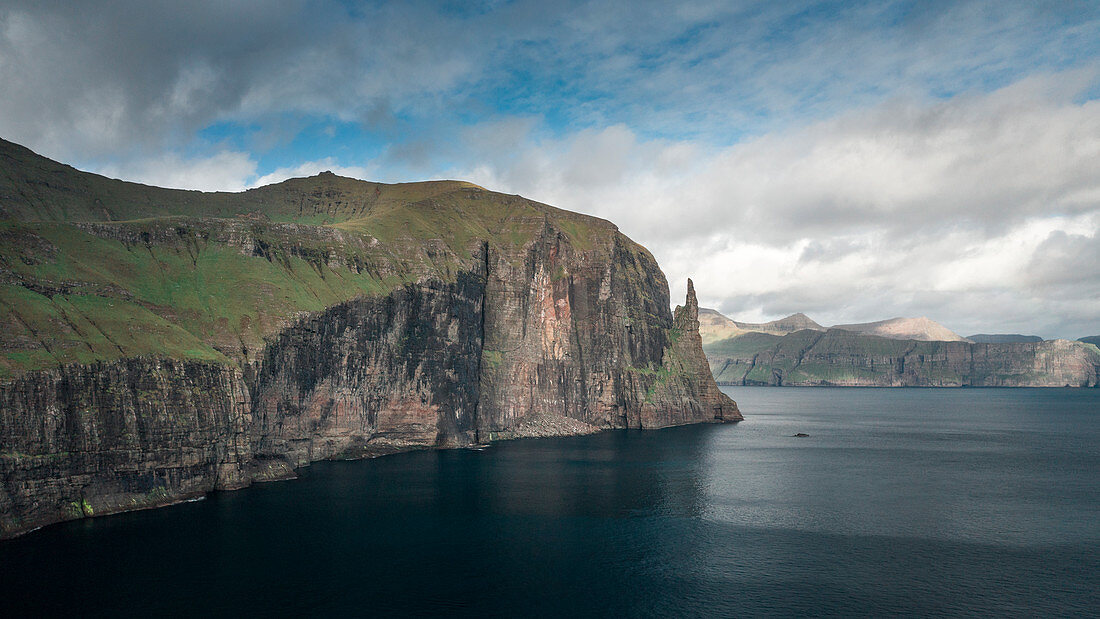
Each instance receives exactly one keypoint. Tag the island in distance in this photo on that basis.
(158, 344)
(899, 352)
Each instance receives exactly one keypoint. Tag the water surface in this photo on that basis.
(901, 501)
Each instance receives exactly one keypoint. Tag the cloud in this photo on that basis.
(1067, 261)
(131, 77)
(224, 171)
(86, 82)
(909, 207)
(984, 161)
(849, 159)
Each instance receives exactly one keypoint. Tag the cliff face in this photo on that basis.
(373, 376)
(844, 359)
(96, 439)
(366, 377)
(159, 344)
(591, 339)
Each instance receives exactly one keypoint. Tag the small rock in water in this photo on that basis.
(800, 435)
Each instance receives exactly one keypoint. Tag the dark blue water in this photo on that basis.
(906, 501)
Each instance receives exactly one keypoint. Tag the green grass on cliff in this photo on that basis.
(210, 275)
(95, 298)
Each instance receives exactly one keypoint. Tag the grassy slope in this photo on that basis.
(209, 275)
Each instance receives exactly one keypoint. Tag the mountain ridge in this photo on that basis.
(313, 230)
(846, 358)
(921, 329)
(717, 326)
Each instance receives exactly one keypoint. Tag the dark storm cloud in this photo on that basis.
(101, 80)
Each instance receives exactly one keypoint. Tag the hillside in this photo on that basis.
(158, 344)
(1092, 339)
(713, 326)
(34, 188)
(921, 329)
(93, 268)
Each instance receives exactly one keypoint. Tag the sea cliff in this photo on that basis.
(160, 344)
(843, 358)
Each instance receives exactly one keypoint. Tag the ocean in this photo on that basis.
(910, 502)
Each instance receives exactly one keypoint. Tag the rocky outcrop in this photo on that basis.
(548, 344)
(841, 358)
(593, 340)
(703, 398)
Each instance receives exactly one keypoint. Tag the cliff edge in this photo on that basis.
(157, 344)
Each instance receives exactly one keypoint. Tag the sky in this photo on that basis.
(851, 160)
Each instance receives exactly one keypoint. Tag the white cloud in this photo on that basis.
(812, 162)
(915, 206)
(224, 171)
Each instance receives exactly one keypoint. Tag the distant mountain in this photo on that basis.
(783, 326)
(1092, 339)
(714, 326)
(1002, 338)
(920, 329)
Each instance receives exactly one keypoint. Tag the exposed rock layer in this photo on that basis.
(507, 350)
(843, 358)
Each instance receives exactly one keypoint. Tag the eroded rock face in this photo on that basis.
(373, 376)
(840, 358)
(116, 436)
(542, 341)
(594, 341)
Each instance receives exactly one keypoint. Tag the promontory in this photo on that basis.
(159, 344)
